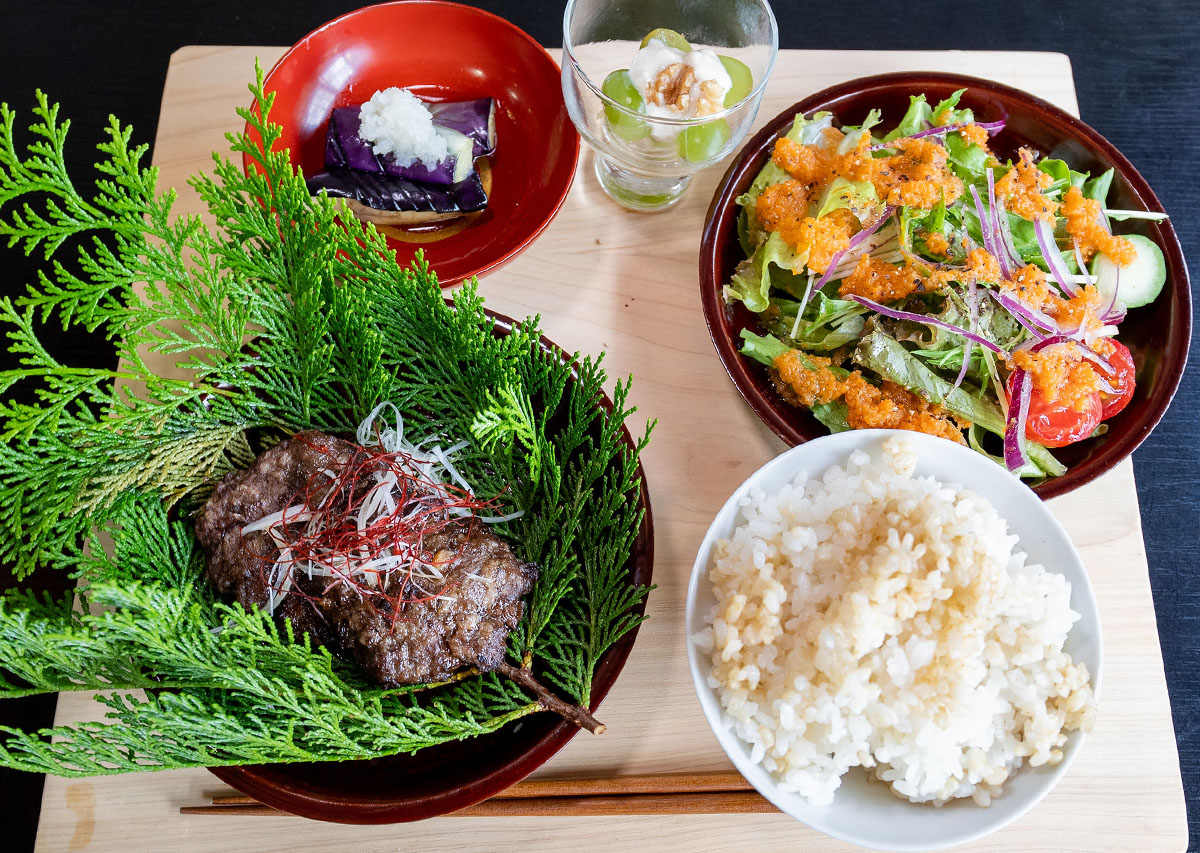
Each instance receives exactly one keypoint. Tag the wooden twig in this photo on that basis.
(576, 714)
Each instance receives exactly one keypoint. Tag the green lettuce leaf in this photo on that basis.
(914, 120)
(967, 160)
(858, 197)
(827, 323)
(914, 222)
(873, 118)
(751, 282)
(765, 349)
(762, 348)
(956, 116)
(1064, 176)
(1097, 187)
(888, 359)
(804, 131)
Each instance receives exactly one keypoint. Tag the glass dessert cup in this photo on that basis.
(646, 161)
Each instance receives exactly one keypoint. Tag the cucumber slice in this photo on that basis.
(1137, 284)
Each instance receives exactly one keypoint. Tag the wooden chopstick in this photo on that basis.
(642, 783)
(641, 794)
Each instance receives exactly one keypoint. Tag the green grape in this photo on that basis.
(743, 80)
(668, 37)
(619, 86)
(702, 142)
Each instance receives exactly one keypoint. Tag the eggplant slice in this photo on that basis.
(475, 120)
(388, 200)
(469, 128)
(380, 191)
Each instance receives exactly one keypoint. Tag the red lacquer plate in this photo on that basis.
(445, 778)
(443, 52)
(1157, 334)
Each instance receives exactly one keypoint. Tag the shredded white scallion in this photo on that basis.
(426, 461)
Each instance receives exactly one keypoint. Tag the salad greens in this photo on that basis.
(100, 473)
(958, 280)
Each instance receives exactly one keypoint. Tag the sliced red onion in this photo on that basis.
(1113, 318)
(1028, 317)
(1038, 346)
(930, 321)
(1088, 278)
(986, 229)
(992, 127)
(1006, 254)
(973, 307)
(1002, 226)
(1045, 239)
(855, 241)
(1095, 358)
(1111, 312)
(1015, 457)
(1018, 403)
(962, 371)
(1084, 350)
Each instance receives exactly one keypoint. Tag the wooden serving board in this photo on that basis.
(606, 279)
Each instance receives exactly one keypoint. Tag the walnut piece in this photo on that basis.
(711, 100)
(673, 86)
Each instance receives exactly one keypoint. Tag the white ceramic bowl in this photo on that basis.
(865, 812)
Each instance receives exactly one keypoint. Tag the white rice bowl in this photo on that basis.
(874, 622)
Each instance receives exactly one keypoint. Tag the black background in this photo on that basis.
(1137, 73)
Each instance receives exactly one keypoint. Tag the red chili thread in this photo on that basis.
(423, 507)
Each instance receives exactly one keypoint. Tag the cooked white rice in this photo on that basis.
(397, 122)
(867, 618)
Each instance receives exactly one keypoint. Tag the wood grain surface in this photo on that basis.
(606, 279)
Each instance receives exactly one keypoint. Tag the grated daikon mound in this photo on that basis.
(397, 122)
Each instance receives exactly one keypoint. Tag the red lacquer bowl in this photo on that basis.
(443, 52)
(1157, 334)
(449, 777)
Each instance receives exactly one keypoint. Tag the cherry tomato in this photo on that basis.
(1123, 380)
(1057, 424)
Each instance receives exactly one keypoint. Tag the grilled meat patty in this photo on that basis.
(467, 624)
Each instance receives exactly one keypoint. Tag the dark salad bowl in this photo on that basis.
(1157, 334)
(450, 776)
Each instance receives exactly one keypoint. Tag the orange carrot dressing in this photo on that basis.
(893, 406)
(1060, 374)
(1086, 227)
(917, 176)
(883, 282)
(937, 244)
(975, 135)
(981, 266)
(1021, 187)
(809, 385)
(808, 379)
